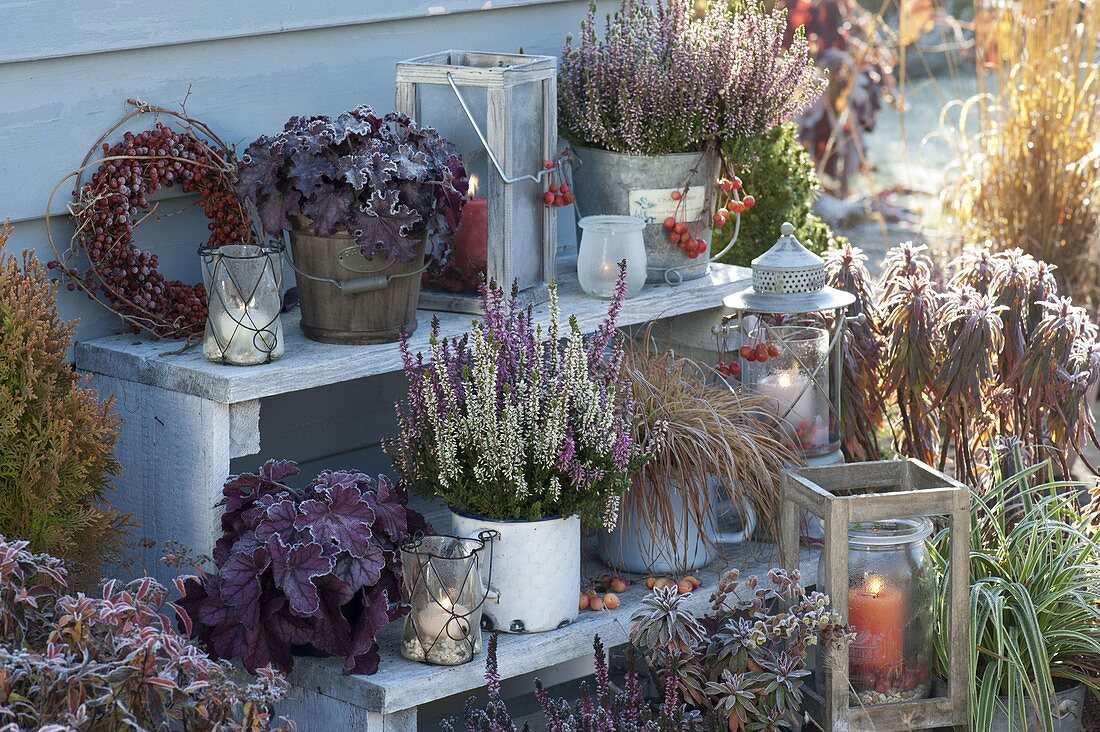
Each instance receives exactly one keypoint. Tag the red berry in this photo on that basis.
(680, 227)
(673, 237)
(736, 184)
(773, 350)
(677, 195)
(692, 254)
(726, 184)
(555, 188)
(732, 205)
(761, 352)
(747, 352)
(564, 189)
(548, 164)
(749, 201)
(670, 222)
(548, 198)
(568, 198)
(719, 219)
(685, 237)
(700, 246)
(735, 369)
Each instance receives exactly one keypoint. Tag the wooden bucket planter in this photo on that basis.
(346, 298)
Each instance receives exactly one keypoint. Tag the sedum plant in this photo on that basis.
(600, 707)
(985, 351)
(742, 665)
(662, 78)
(112, 661)
(384, 179)
(511, 421)
(56, 437)
(318, 566)
(1034, 595)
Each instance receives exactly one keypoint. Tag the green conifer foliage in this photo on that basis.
(56, 437)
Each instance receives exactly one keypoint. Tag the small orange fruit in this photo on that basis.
(611, 601)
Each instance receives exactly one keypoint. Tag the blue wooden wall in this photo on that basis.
(244, 66)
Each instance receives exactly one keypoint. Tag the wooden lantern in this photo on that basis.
(501, 112)
(847, 495)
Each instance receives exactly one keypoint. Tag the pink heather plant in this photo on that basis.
(663, 80)
(507, 423)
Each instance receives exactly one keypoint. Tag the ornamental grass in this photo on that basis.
(714, 442)
(1027, 172)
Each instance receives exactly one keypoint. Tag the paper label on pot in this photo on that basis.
(654, 205)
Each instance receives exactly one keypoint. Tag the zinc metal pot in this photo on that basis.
(1067, 714)
(641, 186)
(632, 546)
(346, 298)
(534, 576)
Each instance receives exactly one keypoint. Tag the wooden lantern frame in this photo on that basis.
(515, 178)
(844, 494)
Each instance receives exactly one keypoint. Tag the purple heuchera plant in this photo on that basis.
(663, 80)
(386, 180)
(293, 566)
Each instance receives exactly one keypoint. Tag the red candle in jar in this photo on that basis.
(471, 242)
(876, 611)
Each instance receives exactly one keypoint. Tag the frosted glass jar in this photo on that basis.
(606, 241)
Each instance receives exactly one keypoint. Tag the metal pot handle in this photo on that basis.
(486, 536)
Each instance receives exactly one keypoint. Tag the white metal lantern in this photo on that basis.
(787, 330)
(500, 110)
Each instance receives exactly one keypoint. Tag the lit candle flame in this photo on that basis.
(471, 190)
(875, 585)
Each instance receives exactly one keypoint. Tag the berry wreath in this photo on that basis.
(112, 203)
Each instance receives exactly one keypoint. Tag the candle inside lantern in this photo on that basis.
(607, 241)
(471, 242)
(443, 619)
(245, 333)
(794, 398)
(876, 611)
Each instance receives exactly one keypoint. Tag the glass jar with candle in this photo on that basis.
(789, 373)
(244, 296)
(891, 605)
(606, 241)
(442, 583)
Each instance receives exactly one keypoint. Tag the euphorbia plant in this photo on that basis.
(384, 179)
(318, 566)
(744, 663)
(511, 421)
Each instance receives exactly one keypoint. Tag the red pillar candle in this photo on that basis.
(471, 242)
(876, 611)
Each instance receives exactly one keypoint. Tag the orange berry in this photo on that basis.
(749, 201)
(694, 581)
(611, 601)
(583, 601)
(618, 584)
(596, 603)
(650, 583)
(676, 195)
(548, 164)
(684, 587)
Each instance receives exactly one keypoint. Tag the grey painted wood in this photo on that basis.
(308, 364)
(402, 684)
(56, 28)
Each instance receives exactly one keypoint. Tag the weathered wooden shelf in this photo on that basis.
(323, 698)
(308, 364)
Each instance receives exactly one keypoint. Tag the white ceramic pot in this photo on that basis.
(533, 574)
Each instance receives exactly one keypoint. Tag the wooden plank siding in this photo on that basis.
(67, 68)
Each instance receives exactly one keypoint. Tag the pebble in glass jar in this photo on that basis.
(891, 605)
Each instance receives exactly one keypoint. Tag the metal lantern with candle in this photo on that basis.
(787, 329)
(243, 284)
(442, 583)
(874, 566)
(500, 110)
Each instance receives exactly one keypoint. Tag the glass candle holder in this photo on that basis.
(443, 585)
(606, 241)
(244, 296)
(891, 605)
(794, 377)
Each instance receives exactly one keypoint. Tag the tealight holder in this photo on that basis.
(244, 298)
(606, 241)
(442, 583)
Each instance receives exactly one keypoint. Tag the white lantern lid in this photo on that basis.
(786, 279)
